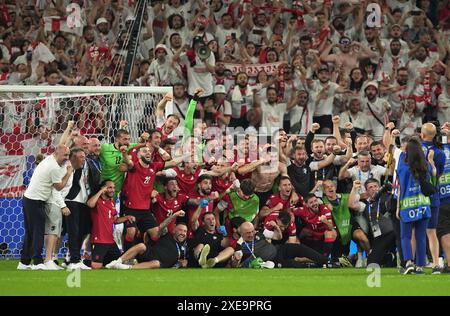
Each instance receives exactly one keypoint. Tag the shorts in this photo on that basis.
(443, 227)
(432, 224)
(53, 219)
(146, 256)
(324, 121)
(359, 222)
(105, 253)
(145, 220)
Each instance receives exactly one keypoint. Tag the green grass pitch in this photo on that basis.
(219, 282)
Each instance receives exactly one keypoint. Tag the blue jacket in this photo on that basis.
(439, 161)
(444, 180)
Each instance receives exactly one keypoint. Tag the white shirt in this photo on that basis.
(324, 106)
(272, 115)
(305, 121)
(162, 73)
(378, 107)
(415, 66)
(375, 172)
(199, 76)
(361, 120)
(224, 35)
(47, 173)
(58, 197)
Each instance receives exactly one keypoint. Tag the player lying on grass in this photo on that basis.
(104, 216)
(169, 251)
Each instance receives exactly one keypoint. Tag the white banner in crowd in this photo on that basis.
(252, 70)
(11, 175)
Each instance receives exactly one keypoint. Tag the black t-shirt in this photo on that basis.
(301, 178)
(379, 212)
(213, 240)
(260, 247)
(327, 173)
(168, 251)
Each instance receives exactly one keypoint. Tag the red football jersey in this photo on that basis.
(239, 157)
(163, 208)
(102, 221)
(291, 230)
(186, 182)
(274, 199)
(312, 222)
(139, 185)
(193, 208)
(221, 184)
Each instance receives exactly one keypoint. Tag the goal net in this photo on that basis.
(32, 120)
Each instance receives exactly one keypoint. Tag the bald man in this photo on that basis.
(81, 141)
(51, 173)
(428, 133)
(255, 244)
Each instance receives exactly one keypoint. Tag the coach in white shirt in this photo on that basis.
(51, 173)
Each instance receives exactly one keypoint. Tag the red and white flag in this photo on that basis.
(59, 24)
(11, 175)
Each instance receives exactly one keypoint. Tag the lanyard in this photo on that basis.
(360, 175)
(96, 164)
(179, 251)
(252, 249)
(369, 208)
(323, 174)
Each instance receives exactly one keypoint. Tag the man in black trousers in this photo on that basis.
(85, 183)
(51, 173)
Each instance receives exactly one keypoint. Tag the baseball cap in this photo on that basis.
(371, 83)
(101, 20)
(220, 89)
(323, 67)
(161, 46)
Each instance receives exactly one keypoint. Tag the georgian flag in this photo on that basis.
(59, 24)
(11, 175)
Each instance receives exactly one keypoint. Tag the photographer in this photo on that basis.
(379, 230)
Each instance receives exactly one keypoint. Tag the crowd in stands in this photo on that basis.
(296, 67)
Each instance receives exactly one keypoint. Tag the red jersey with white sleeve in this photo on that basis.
(311, 221)
(139, 185)
(163, 207)
(290, 231)
(103, 217)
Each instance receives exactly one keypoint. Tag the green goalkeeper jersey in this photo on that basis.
(111, 158)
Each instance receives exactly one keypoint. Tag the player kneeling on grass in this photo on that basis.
(169, 251)
(104, 215)
(210, 246)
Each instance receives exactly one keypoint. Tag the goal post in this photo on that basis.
(32, 120)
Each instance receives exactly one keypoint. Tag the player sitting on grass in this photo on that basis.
(169, 251)
(104, 216)
(210, 246)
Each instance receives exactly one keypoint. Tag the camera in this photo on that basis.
(385, 189)
(416, 13)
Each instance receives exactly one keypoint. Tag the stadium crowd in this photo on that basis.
(299, 68)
